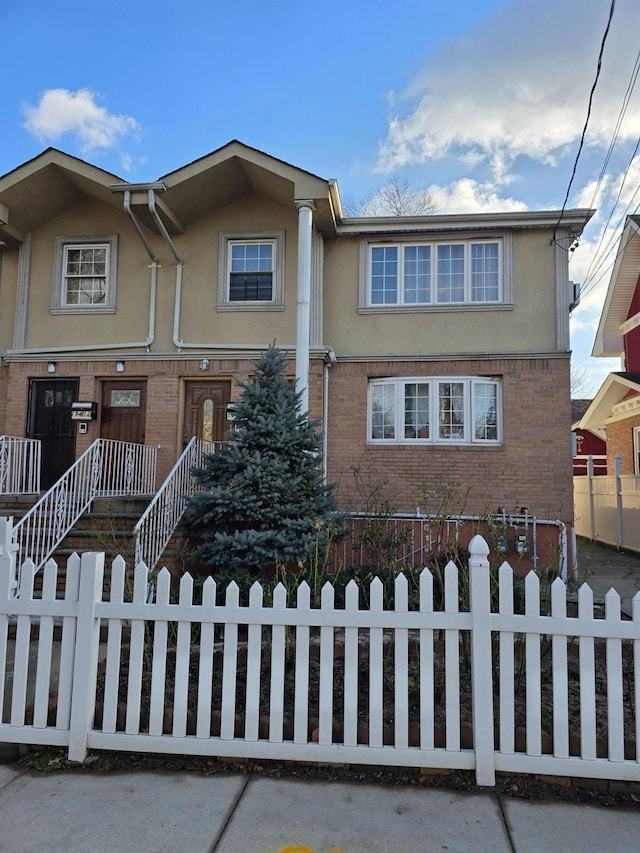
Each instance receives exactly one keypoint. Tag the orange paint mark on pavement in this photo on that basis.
(297, 849)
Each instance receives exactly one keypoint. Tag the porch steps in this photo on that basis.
(109, 526)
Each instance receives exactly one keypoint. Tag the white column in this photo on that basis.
(305, 225)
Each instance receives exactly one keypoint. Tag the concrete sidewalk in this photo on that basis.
(140, 811)
(604, 568)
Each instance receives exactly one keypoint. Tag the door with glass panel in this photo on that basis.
(124, 410)
(205, 411)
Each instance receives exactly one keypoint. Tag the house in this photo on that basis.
(434, 349)
(616, 407)
(587, 443)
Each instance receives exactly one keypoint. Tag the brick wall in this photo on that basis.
(620, 440)
(531, 468)
(165, 397)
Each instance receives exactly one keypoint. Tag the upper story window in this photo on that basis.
(636, 451)
(84, 274)
(438, 273)
(459, 409)
(251, 271)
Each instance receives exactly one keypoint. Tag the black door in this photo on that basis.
(50, 421)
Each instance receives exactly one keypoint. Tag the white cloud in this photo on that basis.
(518, 84)
(60, 112)
(470, 196)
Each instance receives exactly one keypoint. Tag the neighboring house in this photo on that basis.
(434, 349)
(616, 407)
(587, 443)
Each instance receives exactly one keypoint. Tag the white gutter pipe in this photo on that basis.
(305, 221)
(146, 343)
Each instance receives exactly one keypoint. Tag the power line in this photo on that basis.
(613, 236)
(586, 123)
(616, 131)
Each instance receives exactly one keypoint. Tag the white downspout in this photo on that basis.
(146, 343)
(305, 224)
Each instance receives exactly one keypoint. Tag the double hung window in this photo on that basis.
(436, 410)
(436, 273)
(84, 274)
(251, 275)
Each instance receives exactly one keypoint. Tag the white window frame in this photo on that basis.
(505, 291)
(636, 451)
(59, 304)
(228, 239)
(394, 389)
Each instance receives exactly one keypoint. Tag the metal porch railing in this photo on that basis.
(106, 468)
(157, 524)
(19, 465)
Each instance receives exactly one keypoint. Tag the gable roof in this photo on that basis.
(45, 187)
(624, 281)
(612, 391)
(54, 182)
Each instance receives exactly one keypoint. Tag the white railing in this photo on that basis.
(19, 465)
(155, 527)
(283, 677)
(106, 468)
(607, 508)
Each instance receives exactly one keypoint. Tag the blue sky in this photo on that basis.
(481, 102)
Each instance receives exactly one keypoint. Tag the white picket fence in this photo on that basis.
(274, 678)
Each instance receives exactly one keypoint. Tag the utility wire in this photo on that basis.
(616, 131)
(593, 281)
(586, 123)
(602, 251)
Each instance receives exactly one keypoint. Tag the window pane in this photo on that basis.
(417, 274)
(251, 275)
(125, 399)
(416, 410)
(85, 275)
(384, 275)
(250, 287)
(207, 420)
(485, 411)
(383, 411)
(451, 410)
(451, 273)
(485, 283)
(251, 257)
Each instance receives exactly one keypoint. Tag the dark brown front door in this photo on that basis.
(49, 420)
(123, 411)
(205, 412)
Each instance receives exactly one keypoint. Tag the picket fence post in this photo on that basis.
(85, 664)
(8, 551)
(481, 662)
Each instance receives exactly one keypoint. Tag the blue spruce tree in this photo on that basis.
(264, 502)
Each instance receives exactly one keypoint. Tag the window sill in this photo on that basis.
(250, 306)
(83, 309)
(417, 444)
(434, 309)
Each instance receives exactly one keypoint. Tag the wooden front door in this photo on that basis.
(205, 411)
(123, 410)
(49, 420)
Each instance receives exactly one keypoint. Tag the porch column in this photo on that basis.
(305, 225)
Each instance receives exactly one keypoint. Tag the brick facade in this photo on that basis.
(532, 467)
(620, 440)
(164, 400)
